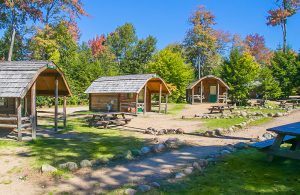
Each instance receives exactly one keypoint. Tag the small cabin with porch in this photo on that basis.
(128, 93)
(208, 89)
(20, 83)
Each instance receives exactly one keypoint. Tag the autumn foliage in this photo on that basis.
(97, 45)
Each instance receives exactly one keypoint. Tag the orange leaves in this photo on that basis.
(277, 16)
(97, 45)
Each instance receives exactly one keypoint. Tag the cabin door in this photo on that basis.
(212, 93)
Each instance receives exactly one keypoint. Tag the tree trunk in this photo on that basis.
(12, 42)
(284, 32)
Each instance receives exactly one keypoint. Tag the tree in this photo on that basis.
(172, 68)
(255, 44)
(137, 57)
(14, 14)
(20, 46)
(97, 45)
(202, 43)
(239, 72)
(121, 40)
(269, 88)
(57, 10)
(285, 69)
(279, 16)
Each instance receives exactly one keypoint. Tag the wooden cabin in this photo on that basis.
(207, 89)
(20, 83)
(128, 93)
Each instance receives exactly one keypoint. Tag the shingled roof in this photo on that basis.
(193, 84)
(120, 84)
(16, 77)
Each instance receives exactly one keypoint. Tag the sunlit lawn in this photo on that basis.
(265, 110)
(174, 109)
(79, 142)
(245, 172)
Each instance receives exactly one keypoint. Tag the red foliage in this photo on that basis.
(73, 30)
(97, 45)
(256, 46)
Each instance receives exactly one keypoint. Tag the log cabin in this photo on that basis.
(20, 83)
(128, 93)
(209, 89)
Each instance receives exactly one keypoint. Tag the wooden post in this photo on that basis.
(193, 91)
(65, 112)
(145, 99)
(166, 107)
(56, 105)
(201, 86)
(160, 90)
(33, 110)
(226, 95)
(90, 102)
(218, 91)
(19, 118)
(136, 103)
(25, 106)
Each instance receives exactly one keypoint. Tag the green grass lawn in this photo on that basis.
(245, 172)
(83, 143)
(225, 123)
(260, 121)
(264, 110)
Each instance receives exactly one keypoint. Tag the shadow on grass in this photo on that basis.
(80, 142)
(245, 172)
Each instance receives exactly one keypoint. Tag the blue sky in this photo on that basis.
(167, 20)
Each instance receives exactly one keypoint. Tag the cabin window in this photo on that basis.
(129, 95)
(3, 102)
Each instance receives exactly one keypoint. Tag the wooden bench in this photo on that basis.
(105, 119)
(268, 143)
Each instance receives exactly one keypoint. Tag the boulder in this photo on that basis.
(203, 162)
(130, 191)
(278, 114)
(144, 188)
(159, 148)
(172, 142)
(209, 134)
(155, 185)
(85, 163)
(179, 131)
(218, 131)
(179, 175)
(48, 168)
(230, 148)
(267, 135)
(72, 166)
(197, 166)
(129, 155)
(241, 145)
(188, 170)
(145, 150)
(244, 114)
(225, 152)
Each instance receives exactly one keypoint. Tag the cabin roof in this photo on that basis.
(122, 84)
(17, 77)
(193, 84)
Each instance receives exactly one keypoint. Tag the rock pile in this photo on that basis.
(154, 131)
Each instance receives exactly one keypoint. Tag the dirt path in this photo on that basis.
(86, 181)
(159, 166)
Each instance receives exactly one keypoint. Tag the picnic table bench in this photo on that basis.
(289, 133)
(289, 103)
(109, 118)
(220, 109)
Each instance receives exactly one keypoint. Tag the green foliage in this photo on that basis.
(269, 88)
(240, 72)
(132, 54)
(172, 68)
(285, 68)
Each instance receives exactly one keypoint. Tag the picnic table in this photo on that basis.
(289, 103)
(109, 118)
(220, 109)
(289, 133)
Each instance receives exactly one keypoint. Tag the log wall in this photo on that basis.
(99, 102)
